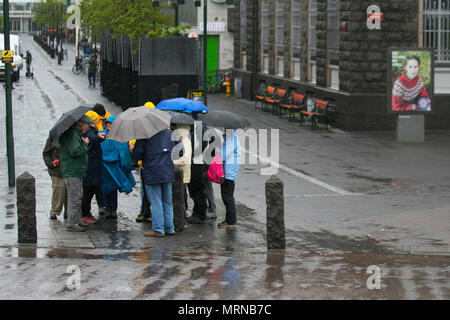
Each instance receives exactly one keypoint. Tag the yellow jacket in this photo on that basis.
(100, 123)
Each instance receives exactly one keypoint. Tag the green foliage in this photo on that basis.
(1, 22)
(134, 19)
(50, 13)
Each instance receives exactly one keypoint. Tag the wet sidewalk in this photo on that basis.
(344, 192)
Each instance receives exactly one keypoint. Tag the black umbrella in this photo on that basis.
(224, 119)
(67, 120)
(181, 118)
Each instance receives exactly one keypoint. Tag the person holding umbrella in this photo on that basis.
(74, 163)
(92, 182)
(158, 174)
(117, 169)
(231, 157)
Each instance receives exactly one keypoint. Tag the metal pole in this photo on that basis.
(176, 13)
(205, 47)
(9, 119)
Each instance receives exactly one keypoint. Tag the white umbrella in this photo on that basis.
(138, 123)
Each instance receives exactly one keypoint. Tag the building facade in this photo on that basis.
(325, 49)
(21, 16)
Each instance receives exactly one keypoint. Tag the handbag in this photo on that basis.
(215, 170)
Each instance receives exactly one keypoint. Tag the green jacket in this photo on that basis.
(74, 159)
(92, 64)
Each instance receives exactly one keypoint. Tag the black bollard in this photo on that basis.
(275, 213)
(26, 208)
(178, 201)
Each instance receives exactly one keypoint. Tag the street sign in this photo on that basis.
(7, 56)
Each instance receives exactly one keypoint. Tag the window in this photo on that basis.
(243, 34)
(436, 28)
(279, 36)
(312, 27)
(295, 39)
(312, 40)
(265, 29)
(333, 30)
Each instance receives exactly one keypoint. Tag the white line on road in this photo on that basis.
(300, 175)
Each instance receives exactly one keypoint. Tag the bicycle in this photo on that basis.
(78, 66)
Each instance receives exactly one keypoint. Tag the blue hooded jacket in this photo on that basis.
(117, 165)
(231, 155)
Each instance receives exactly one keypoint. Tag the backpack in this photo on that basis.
(215, 171)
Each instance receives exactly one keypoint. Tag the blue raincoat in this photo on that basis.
(117, 165)
(231, 156)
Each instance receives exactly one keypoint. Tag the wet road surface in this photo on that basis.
(352, 200)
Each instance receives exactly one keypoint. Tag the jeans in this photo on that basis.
(160, 196)
(28, 68)
(110, 201)
(74, 197)
(91, 77)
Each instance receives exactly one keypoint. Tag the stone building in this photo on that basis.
(325, 49)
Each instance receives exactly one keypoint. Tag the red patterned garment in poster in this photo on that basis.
(407, 92)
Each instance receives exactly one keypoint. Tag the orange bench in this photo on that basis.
(263, 93)
(275, 101)
(295, 103)
(317, 114)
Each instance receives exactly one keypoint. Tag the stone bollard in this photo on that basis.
(275, 213)
(178, 201)
(26, 208)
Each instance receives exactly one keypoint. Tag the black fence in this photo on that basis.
(152, 70)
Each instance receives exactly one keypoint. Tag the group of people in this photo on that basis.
(83, 164)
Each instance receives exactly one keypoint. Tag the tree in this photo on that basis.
(133, 18)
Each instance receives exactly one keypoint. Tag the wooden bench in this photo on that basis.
(262, 93)
(317, 114)
(295, 103)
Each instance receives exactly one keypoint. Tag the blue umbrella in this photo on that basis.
(182, 105)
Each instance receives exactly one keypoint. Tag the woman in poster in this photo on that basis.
(409, 93)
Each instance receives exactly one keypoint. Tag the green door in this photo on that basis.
(212, 63)
(213, 53)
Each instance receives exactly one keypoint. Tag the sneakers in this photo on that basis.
(88, 221)
(225, 225)
(76, 228)
(53, 216)
(91, 217)
(101, 211)
(211, 215)
(152, 233)
(195, 220)
(170, 233)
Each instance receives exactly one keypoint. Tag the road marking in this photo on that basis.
(300, 175)
(310, 195)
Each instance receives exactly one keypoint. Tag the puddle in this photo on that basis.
(46, 98)
(372, 179)
(67, 87)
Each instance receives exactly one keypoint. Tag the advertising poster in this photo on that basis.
(410, 82)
